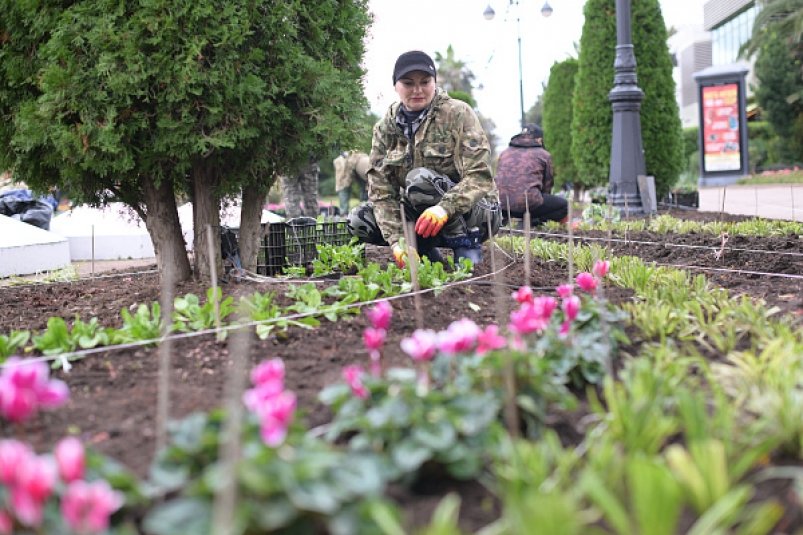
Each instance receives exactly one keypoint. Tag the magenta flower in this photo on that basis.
(25, 386)
(523, 295)
(353, 377)
(275, 417)
(70, 459)
(380, 315)
(268, 371)
(565, 290)
(373, 338)
(422, 345)
(489, 340)
(459, 337)
(34, 485)
(601, 268)
(586, 281)
(6, 523)
(13, 454)
(532, 317)
(571, 306)
(545, 305)
(565, 327)
(87, 507)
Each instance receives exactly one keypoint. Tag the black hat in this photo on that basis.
(415, 60)
(533, 130)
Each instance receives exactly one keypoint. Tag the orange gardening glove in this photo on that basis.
(431, 221)
(400, 254)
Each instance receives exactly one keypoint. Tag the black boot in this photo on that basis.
(472, 253)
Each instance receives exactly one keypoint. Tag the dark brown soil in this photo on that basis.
(113, 393)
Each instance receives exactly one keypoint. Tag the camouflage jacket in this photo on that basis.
(354, 166)
(524, 171)
(450, 142)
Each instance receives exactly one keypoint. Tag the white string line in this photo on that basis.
(738, 271)
(67, 357)
(15, 285)
(665, 244)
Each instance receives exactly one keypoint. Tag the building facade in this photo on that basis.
(727, 25)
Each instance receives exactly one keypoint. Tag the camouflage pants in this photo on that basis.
(301, 188)
(425, 189)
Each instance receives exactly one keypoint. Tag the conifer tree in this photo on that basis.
(592, 120)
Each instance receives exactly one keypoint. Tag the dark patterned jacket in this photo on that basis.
(524, 171)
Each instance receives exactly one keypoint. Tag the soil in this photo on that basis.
(113, 393)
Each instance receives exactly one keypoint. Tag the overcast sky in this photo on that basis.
(488, 47)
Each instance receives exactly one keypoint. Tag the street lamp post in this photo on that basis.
(627, 152)
(546, 10)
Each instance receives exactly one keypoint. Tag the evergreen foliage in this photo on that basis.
(110, 97)
(778, 74)
(558, 119)
(592, 121)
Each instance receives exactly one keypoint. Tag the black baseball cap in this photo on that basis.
(414, 60)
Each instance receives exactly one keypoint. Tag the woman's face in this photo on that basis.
(416, 90)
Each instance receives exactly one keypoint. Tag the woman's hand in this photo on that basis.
(431, 221)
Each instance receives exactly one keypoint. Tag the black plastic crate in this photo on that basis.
(292, 243)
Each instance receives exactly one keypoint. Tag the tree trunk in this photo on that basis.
(250, 224)
(161, 220)
(205, 213)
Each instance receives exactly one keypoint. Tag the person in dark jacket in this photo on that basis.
(524, 177)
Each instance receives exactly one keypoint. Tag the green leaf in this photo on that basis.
(435, 436)
(315, 496)
(409, 455)
(179, 517)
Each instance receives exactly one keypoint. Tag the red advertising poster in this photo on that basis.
(722, 147)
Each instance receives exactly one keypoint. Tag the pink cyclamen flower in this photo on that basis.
(13, 454)
(87, 507)
(34, 485)
(275, 417)
(532, 317)
(353, 377)
(459, 337)
(373, 338)
(268, 371)
(6, 523)
(523, 295)
(380, 315)
(489, 340)
(565, 290)
(565, 327)
(571, 307)
(586, 281)
(255, 398)
(25, 386)
(422, 345)
(70, 459)
(601, 268)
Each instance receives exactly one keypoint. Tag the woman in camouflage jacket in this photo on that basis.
(429, 154)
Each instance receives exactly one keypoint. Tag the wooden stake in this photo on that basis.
(224, 506)
(792, 196)
(509, 378)
(93, 251)
(509, 219)
(165, 359)
(527, 235)
(570, 248)
(213, 276)
(412, 261)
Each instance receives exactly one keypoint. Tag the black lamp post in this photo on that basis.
(627, 152)
(546, 10)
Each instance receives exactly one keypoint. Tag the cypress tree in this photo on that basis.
(558, 119)
(593, 117)
(778, 73)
